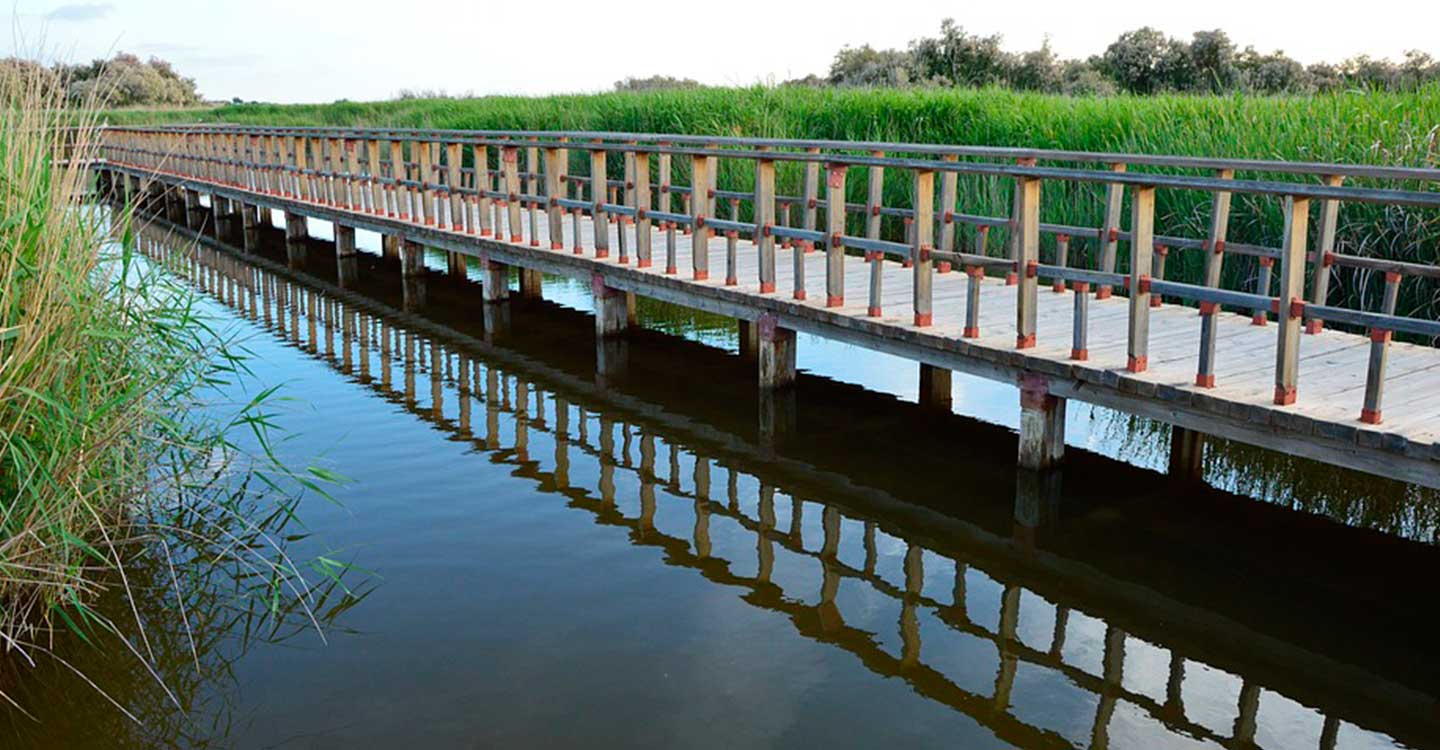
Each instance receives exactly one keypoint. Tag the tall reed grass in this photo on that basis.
(111, 461)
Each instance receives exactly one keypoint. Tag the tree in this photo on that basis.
(1274, 73)
(1212, 61)
(1085, 78)
(1037, 70)
(1175, 70)
(867, 66)
(1133, 60)
(655, 83)
(126, 81)
(959, 58)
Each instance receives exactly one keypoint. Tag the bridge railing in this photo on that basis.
(472, 182)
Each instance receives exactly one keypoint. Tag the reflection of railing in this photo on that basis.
(367, 333)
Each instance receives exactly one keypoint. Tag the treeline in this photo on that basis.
(1143, 61)
(122, 81)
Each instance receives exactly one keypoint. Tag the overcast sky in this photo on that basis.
(322, 50)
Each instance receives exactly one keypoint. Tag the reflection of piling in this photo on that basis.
(1037, 504)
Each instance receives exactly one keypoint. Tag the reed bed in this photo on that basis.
(112, 461)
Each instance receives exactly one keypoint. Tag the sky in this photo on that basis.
(323, 50)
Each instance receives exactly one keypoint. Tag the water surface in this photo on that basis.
(563, 560)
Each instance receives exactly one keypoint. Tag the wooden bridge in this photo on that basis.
(1230, 365)
(552, 423)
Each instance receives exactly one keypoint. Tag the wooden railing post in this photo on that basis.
(640, 201)
(1291, 299)
(1324, 252)
(1110, 230)
(764, 206)
(599, 221)
(874, 196)
(732, 246)
(333, 179)
(301, 165)
(353, 200)
(377, 189)
(553, 191)
(834, 248)
(949, 192)
(811, 195)
(531, 186)
(510, 166)
(481, 156)
(452, 186)
(1015, 228)
(1142, 248)
(1219, 227)
(401, 194)
(924, 245)
(700, 200)
(1214, 248)
(427, 180)
(1026, 243)
(1370, 413)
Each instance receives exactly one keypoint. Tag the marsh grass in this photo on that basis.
(112, 461)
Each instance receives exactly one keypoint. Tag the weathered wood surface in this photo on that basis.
(1320, 424)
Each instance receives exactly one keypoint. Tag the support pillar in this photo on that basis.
(194, 212)
(496, 320)
(224, 216)
(347, 266)
(390, 246)
(531, 284)
(1187, 454)
(611, 321)
(612, 315)
(749, 340)
(249, 229)
(412, 274)
(344, 241)
(296, 233)
(776, 353)
(1042, 424)
(494, 281)
(455, 266)
(934, 389)
(175, 206)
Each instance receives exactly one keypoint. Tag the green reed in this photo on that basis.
(113, 459)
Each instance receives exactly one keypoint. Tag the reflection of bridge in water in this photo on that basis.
(988, 597)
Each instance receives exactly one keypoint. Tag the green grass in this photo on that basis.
(1362, 128)
(114, 458)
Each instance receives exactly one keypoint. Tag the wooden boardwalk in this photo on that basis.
(1269, 384)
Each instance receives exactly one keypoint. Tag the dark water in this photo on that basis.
(558, 560)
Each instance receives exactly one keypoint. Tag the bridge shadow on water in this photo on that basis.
(1003, 575)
